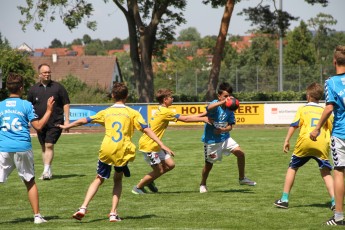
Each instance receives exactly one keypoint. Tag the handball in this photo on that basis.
(232, 103)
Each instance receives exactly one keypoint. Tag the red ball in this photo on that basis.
(232, 103)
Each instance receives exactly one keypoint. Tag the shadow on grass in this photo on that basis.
(315, 205)
(123, 218)
(210, 191)
(28, 219)
(57, 177)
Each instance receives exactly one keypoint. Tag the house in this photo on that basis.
(100, 71)
(76, 50)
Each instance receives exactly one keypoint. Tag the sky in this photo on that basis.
(111, 22)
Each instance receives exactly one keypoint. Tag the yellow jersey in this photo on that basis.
(306, 119)
(119, 121)
(159, 122)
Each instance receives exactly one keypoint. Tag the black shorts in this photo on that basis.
(49, 135)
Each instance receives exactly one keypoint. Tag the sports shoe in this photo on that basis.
(46, 176)
(281, 204)
(38, 219)
(138, 191)
(332, 207)
(78, 215)
(333, 222)
(203, 188)
(247, 181)
(114, 217)
(152, 187)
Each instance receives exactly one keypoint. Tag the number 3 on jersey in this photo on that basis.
(118, 130)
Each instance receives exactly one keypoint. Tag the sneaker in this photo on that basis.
(38, 219)
(333, 222)
(247, 181)
(138, 191)
(281, 204)
(46, 176)
(203, 188)
(114, 217)
(78, 215)
(332, 207)
(152, 187)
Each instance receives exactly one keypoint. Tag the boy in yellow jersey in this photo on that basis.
(306, 119)
(117, 148)
(159, 160)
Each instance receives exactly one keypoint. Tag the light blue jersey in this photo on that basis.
(335, 94)
(15, 115)
(221, 117)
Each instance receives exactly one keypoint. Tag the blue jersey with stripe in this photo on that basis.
(335, 94)
(15, 117)
(221, 117)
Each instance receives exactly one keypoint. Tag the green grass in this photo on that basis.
(178, 205)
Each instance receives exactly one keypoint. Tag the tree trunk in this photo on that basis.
(218, 52)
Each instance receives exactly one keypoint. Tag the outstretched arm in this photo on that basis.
(79, 122)
(154, 137)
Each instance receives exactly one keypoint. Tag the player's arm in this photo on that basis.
(39, 124)
(154, 137)
(66, 109)
(193, 118)
(327, 112)
(79, 122)
(286, 146)
(215, 105)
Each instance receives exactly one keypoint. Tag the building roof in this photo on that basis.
(93, 70)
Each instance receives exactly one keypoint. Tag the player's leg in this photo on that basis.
(117, 190)
(103, 172)
(325, 171)
(205, 172)
(51, 137)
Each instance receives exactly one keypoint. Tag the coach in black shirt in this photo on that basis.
(38, 96)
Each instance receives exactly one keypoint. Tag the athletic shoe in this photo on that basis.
(78, 215)
(203, 188)
(38, 219)
(332, 207)
(152, 187)
(138, 191)
(333, 222)
(281, 204)
(114, 217)
(247, 181)
(46, 176)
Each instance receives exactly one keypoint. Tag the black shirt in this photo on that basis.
(38, 95)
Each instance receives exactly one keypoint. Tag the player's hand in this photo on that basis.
(314, 134)
(65, 124)
(167, 150)
(286, 147)
(50, 103)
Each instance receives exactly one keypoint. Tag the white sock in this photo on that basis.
(338, 216)
(46, 169)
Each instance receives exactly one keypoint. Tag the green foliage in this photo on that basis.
(17, 62)
(80, 93)
(189, 34)
(271, 96)
(56, 44)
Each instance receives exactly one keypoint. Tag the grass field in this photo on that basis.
(178, 205)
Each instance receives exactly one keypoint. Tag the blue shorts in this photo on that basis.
(104, 170)
(297, 162)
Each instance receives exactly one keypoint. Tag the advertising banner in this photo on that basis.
(280, 113)
(250, 114)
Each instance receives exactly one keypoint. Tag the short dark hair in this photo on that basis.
(119, 91)
(224, 87)
(163, 93)
(14, 82)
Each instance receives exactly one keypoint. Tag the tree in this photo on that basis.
(150, 24)
(267, 21)
(86, 39)
(189, 34)
(56, 44)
